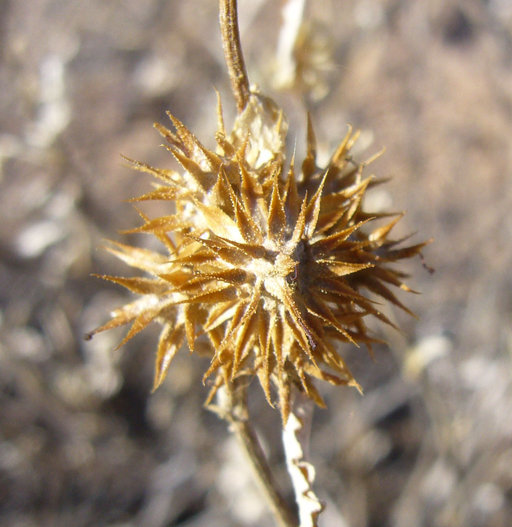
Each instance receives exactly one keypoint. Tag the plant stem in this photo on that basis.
(232, 406)
(233, 52)
(302, 473)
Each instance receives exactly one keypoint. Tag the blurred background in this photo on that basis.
(82, 440)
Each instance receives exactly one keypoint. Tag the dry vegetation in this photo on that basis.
(82, 440)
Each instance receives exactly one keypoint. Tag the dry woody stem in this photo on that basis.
(233, 52)
(296, 433)
(232, 407)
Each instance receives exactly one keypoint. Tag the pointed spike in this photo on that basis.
(188, 140)
(164, 223)
(276, 213)
(339, 288)
(191, 167)
(284, 398)
(329, 244)
(374, 157)
(340, 155)
(322, 311)
(169, 343)
(340, 268)
(304, 333)
(214, 366)
(140, 285)
(217, 316)
(406, 252)
(140, 322)
(190, 313)
(211, 394)
(381, 233)
(120, 317)
(264, 331)
(160, 193)
(227, 148)
(159, 227)
(310, 389)
(243, 316)
(311, 137)
(244, 339)
(277, 344)
(219, 294)
(300, 225)
(381, 290)
(355, 204)
(220, 118)
(167, 135)
(169, 176)
(392, 277)
(219, 222)
(246, 225)
(309, 163)
(220, 194)
(250, 189)
(144, 259)
(313, 210)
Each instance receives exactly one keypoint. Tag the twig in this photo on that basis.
(233, 52)
(232, 406)
(302, 473)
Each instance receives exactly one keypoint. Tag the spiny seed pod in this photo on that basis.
(267, 266)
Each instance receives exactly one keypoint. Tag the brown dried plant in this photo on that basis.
(268, 263)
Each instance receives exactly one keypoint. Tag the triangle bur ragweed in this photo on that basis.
(266, 266)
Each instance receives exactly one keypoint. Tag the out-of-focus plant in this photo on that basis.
(267, 268)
